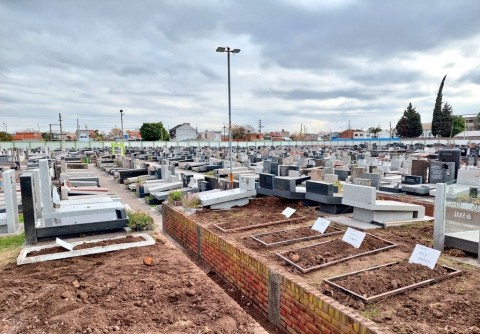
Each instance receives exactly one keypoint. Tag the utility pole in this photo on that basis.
(224, 128)
(260, 126)
(121, 120)
(61, 130)
(390, 129)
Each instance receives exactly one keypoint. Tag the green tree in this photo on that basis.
(458, 125)
(444, 121)
(47, 136)
(5, 136)
(441, 123)
(99, 136)
(153, 132)
(375, 131)
(410, 124)
(477, 122)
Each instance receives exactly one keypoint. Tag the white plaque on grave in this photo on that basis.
(354, 237)
(321, 224)
(425, 256)
(64, 244)
(288, 212)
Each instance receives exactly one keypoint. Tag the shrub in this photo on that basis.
(139, 221)
(175, 195)
(191, 201)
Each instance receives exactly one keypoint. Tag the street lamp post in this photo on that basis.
(5, 127)
(121, 120)
(228, 51)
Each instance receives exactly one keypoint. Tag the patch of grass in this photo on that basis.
(12, 241)
(371, 311)
(20, 218)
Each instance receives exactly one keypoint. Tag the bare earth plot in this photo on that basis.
(117, 292)
(449, 306)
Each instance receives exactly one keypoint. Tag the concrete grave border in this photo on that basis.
(343, 259)
(251, 227)
(451, 272)
(23, 259)
(290, 241)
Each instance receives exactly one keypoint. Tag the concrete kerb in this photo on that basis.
(24, 259)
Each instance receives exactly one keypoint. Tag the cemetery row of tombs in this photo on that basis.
(313, 236)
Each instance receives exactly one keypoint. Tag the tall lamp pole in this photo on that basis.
(228, 51)
(121, 120)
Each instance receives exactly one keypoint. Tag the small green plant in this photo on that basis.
(139, 221)
(118, 163)
(371, 311)
(175, 195)
(191, 201)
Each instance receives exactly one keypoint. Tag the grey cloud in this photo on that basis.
(472, 76)
(305, 94)
(135, 70)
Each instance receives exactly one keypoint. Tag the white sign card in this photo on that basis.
(354, 237)
(288, 212)
(321, 224)
(64, 244)
(425, 256)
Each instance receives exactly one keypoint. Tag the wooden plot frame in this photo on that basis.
(306, 270)
(331, 282)
(257, 237)
(251, 227)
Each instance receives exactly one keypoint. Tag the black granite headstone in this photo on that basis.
(450, 155)
(412, 179)
(342, 174)
(266, 181)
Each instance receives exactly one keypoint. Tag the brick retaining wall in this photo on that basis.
(290, 304)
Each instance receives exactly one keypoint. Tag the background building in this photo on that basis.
(183, 132)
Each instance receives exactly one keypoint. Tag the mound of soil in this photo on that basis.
(330, 251)
(117, 292)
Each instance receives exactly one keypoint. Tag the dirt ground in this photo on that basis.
(450, 306)
(117, 292)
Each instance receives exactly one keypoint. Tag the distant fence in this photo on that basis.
(334, 142)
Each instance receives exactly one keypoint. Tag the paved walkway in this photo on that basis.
(127, 196)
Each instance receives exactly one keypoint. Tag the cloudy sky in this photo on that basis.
(322, 64)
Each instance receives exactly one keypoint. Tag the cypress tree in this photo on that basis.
(438, 125)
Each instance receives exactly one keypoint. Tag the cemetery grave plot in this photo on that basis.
(376, 283)
(284, 237)
(446, 307)
(238, 225)
(260, 212)
(117, 292)
(86, 245)
(331, 252)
